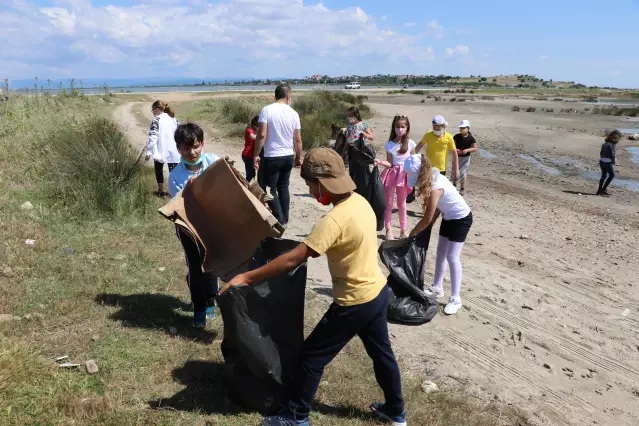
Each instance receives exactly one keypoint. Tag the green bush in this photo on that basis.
(531, 109)
(515, 108)
(93, 169)
(239, 110)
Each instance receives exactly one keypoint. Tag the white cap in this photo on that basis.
(464, 123)
(412, 166)
(439, 119)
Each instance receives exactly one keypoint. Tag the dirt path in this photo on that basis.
(550, 320)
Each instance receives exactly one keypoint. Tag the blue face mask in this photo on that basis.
(192, 163)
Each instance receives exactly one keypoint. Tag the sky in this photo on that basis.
(587, 42)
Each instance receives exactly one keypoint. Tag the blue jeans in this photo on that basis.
(338, 326)
(275, 174)
(607, 175)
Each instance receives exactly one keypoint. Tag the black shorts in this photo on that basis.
(456, 230)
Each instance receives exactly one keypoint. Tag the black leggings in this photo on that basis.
(159, 170)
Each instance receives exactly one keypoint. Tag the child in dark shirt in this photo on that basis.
(607, 161)
(466, 144)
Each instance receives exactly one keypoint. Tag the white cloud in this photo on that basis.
(436, 28)
(410, 24)
(459, 51)
(156, 37)
(543, 58)
(614, 73)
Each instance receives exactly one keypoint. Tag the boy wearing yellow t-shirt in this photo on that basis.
(438, 143)
(347, 235)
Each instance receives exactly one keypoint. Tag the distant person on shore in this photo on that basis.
(466, 144)
(440, 196)
(356, 127)
(250, 134)
(189, 139)
(438, 143)
(398, 149)
(607, 161)
(280, 134)
(347, 235)
(161, 143)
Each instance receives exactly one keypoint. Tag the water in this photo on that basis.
(634, 153)
(631, 185)
(629, 131)
(487, 154)
(540, 165)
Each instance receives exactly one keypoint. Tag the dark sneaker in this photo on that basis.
(605, 193)
(210, 313)
(199, 319)
(379, 410)
(285, 418)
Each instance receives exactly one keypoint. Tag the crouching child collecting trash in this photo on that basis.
(347, 235)
(203, 286)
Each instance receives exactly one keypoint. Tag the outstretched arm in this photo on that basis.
(430, 212)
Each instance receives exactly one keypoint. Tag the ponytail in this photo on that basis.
(164, 107)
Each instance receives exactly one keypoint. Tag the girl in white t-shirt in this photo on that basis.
(439, 195)
(398, 149)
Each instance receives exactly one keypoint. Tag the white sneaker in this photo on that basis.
(437, 291)
(454, 304)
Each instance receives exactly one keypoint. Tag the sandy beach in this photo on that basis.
(550, 321)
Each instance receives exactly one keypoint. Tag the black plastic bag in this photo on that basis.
(341, 146)
(368, 181)
(263, 332)
(405, 260)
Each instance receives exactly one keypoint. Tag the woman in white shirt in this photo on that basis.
(161, 143)
(439, 195)
(398, 149)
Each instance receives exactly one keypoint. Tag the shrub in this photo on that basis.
(515, 108)
(452, 99)
(97, 172)
(461, 99)
(531, 109)
(238, 110)
(422, 101)
(586, 109)
(438, 98)
(418, 92)
(550, 110)
(429, 97)
(487, 98)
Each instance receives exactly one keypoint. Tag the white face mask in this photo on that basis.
(352, 120)
(438, 132)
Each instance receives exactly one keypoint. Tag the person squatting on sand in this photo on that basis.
(161, 143)
(347, 235)
(439, 195)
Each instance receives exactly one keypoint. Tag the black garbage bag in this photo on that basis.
(341, 146)
(263, 332)
(368, 180)
(405, 260)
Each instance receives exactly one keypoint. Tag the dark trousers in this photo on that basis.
(607, 175)
(250, 169)
(275, 174)
(159, 170)
(338, 326)
(202, 285)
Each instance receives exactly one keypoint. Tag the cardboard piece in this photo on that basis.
(219, 211)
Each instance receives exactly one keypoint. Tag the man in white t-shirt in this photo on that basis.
(279, 133)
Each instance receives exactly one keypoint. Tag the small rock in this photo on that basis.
(93, 256)
(625, 312)
(524, 237)
(91, 366)
(7, 272)
(547, 367)
(429, 387)
(95, 337)
(61, 358)
(30, 242)
(26, 206)
(9, 317)
(28, 316)
(161, 269)
(527, 348)
(173, 330)
(520, 263)
(527, 307)
(67, 250)
(120, 257)
(568, 239)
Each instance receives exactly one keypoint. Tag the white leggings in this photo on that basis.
(448, 253)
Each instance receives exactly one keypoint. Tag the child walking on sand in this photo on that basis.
(398, 149)
(161, 143)
(203, 286)
(607, 161)
(439, 195)
(250, 134)
(466, 144)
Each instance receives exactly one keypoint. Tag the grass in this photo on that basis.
(317, 110)
(109, 286)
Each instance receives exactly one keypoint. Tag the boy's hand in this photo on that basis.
(237, 280)
(256, 163)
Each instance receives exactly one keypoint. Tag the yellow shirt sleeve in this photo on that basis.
(324, 235)
(451, 143)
